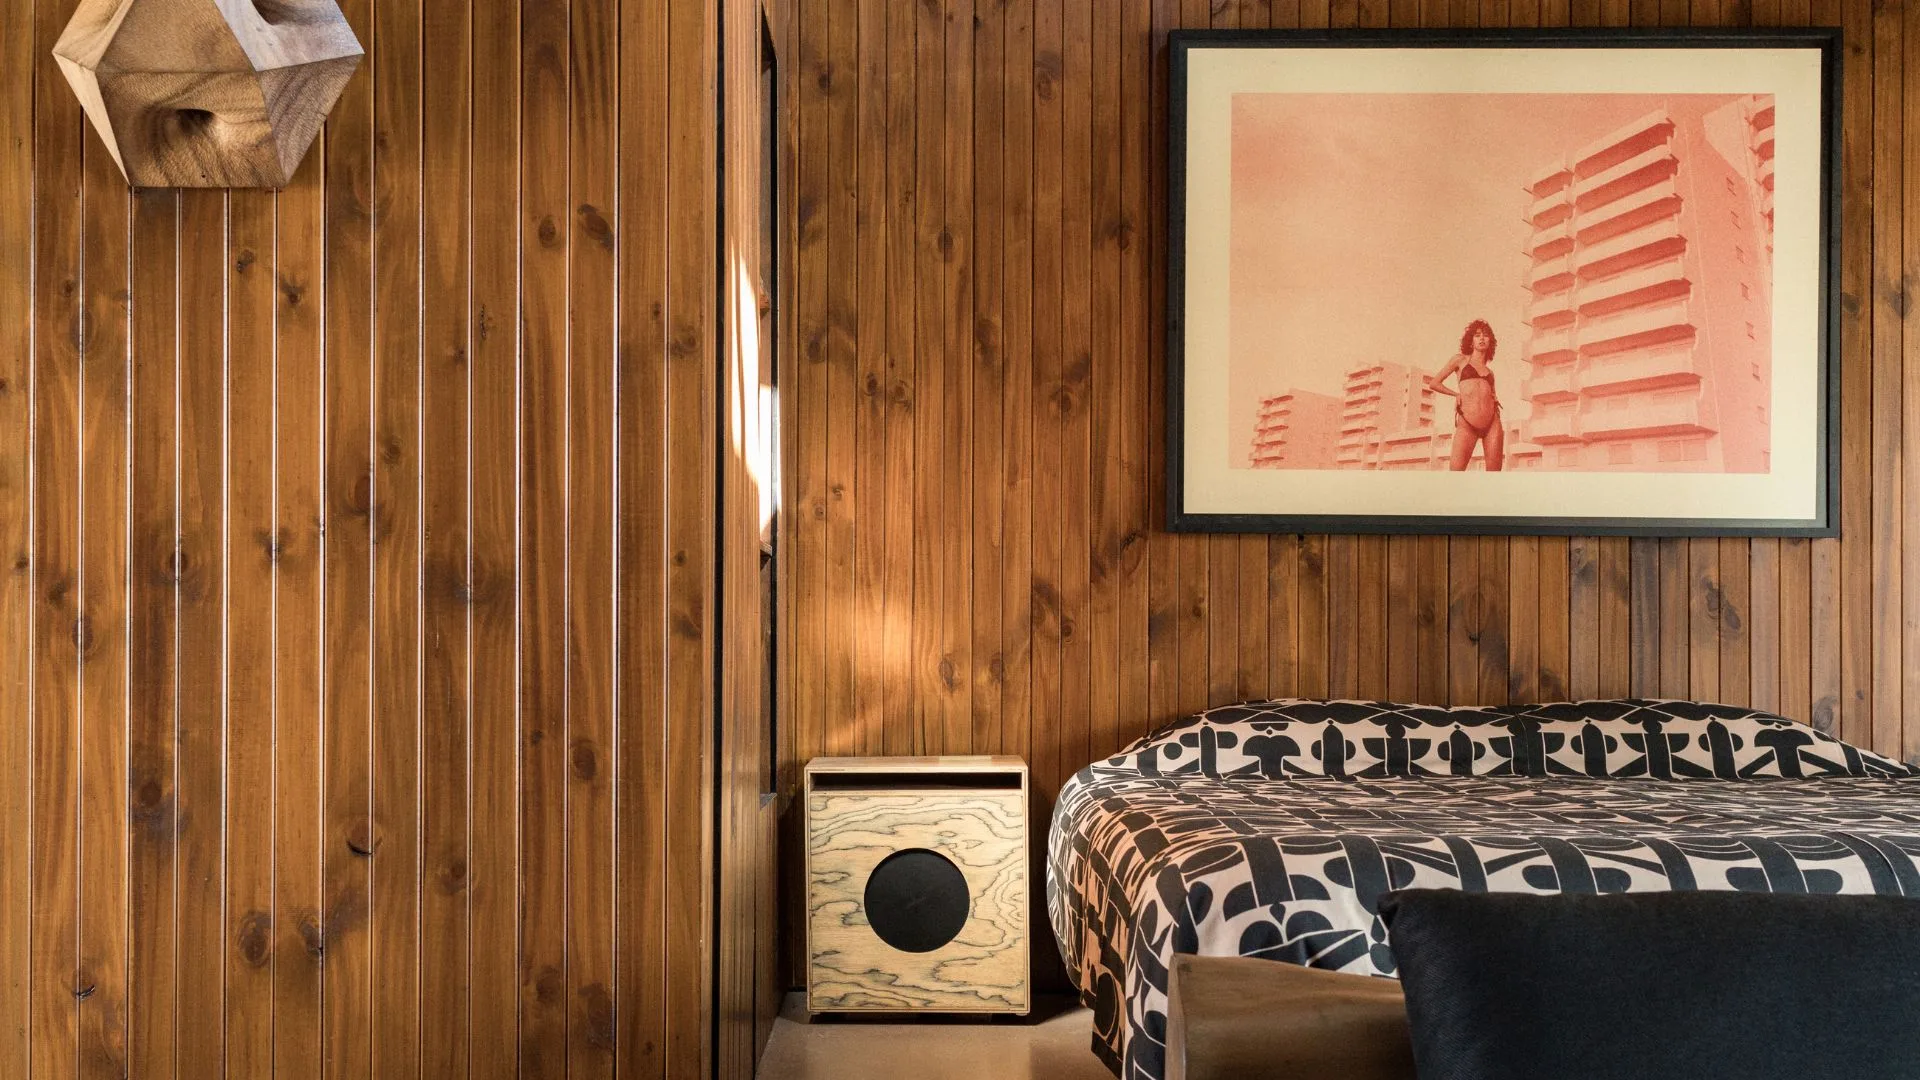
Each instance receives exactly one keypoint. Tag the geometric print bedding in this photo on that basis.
(1272, 829)
(1675, 740)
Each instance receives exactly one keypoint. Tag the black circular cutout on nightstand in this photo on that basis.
(916, 900)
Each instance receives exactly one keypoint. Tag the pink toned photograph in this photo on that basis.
(1501, 282)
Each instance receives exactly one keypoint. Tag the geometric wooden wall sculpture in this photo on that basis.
(207, 93)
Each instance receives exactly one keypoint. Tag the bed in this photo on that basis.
(1272, 829)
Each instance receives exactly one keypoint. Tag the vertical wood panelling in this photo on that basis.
(643, 817)
(957, 342)
(902, 418)
(931, 667)
(689, 382)
(298, 932)
(1886, 313)
(1046, 468)
(1017, 386)
(250, 660)
(200, 596)
(838, 83)
(359, 608)
(1583, 617)
(1076, 371)
(1844, 566)
(446, 538)
(1403, 621)
(493, 861)
(19, 45)
(591, 498)
(1764, 678)
(394, 928)
(872, 400)
(1163, 585)
(53, 685)
(1908, 657)
(1554, 652)
(99, 633)
(1127, 234)
(544, 501)
(1129, 626)
(347, 519)
(154, 640)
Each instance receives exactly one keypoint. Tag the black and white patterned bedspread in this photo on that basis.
(1272, 829)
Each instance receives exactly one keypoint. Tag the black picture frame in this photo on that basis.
(1827, 40)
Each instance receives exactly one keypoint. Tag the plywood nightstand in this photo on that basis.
(917, 884)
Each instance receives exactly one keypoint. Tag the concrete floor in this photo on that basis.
(1051, 1044)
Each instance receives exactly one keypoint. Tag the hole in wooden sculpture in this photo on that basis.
(275, 12)
(193, 122)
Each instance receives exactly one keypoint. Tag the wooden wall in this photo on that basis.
(976, 414)
(358, 606)
(749, 985)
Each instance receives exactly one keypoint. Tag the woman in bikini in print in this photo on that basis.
(1476, 411)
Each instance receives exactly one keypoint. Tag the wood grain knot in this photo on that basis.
(594, 224)
(361, 840)
(272, 544)
(356, 499)
(312, 938)
(686, 621)
(550, 986)
(597, 1016)
(1046, 75)
(254, 938)
(586, 760)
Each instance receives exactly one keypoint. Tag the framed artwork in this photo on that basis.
(1504, 281)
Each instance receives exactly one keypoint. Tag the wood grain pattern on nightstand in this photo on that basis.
(983, 832)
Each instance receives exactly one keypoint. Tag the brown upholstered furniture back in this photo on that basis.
(1237, 1018)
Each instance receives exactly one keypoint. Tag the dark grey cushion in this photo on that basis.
(1687, 985)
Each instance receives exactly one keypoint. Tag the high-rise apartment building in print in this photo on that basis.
(1384, 418)
(1296, 430)
(1380, 401)
(1649, 317)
